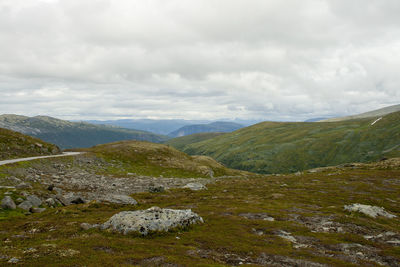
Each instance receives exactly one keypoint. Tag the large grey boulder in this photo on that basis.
(8, 203)
(371, 211)
(195, 186)
(151, 220)
(36, 202)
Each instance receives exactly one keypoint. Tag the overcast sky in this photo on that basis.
(198, 59)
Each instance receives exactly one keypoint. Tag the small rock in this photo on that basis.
(26, 205)
(371, 211)
(58, 191)
(77, 200)
(36, 202)
(277, 196)
(19, 200)
(85, 226)
(50, 187)
(257, 216)
(13, 260)
(156, 189)
(50, 202)
(195, 186)
(24, 186)
(119, 199)
(37, 210)
(8, 203)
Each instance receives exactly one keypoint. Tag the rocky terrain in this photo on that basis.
(16, 145)
(334, 216)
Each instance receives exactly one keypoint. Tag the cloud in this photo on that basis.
(271, 60)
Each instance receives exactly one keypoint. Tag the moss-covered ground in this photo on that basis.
(54, 238)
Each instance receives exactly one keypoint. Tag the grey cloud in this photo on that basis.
(287, 60)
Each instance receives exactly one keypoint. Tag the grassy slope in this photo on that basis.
(181, 142)
(54, 237)
(16, 145)
(279, 147)
(145, 158)
(68, 134)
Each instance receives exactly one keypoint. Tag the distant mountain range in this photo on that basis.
(163, 127)
(218, 126)
(279, 147)
(66, 134)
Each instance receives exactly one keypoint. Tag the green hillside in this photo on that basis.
(16, 145)
(145, 158)
(181, 142)
(281, 147)
(68, 134)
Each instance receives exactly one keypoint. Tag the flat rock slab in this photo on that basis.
(195, 186)
(153, 219)
(118, 199)
(257, 216)
(371, 211)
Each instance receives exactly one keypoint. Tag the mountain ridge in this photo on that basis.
(218, 126)
(281, 147)
(67, 134)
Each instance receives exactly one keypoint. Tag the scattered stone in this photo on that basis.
(277, 260)
(390, 238)
(277, 196)
(195, 186)
(371, 211)
(6, 187)
(150, 220)
(50, 202)
(77, 200)
(24, 186)
(63, 200)
(156, 189)
(19, 200)
(68, 253)
(50, 187)
(13, 260)
(8, 203)
(119, 199)
(37, 210)
(36, 202)
(58, 191)
(72, 198)
(257, 216)
(87, 226)
(26, 205)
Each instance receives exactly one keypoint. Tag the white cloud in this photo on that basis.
(264, 59)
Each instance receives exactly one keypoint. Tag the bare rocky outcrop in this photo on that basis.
(371, 211)
(153, 219)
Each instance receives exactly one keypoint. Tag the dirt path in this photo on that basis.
(64, 154)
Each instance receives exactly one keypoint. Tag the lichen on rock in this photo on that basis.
(153, 219)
